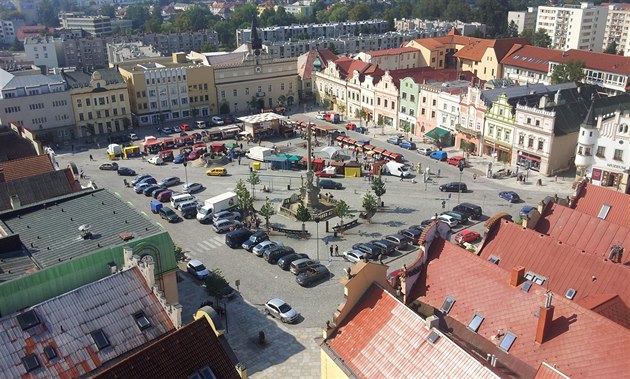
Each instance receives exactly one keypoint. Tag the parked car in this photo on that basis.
(192, 187)
(394, 140)
(456, 160)
(448, 220)
(272, 255)
(180, 158)
(439, 155)
(454, 187)
(156, 160)
(165, 196)
(216, 120)
(260, 249)
(354, 255)
(387, 246)
(407, 145)
(194, 155)
(330, 184)
(200, 124)
(148, 191)
(281, 310)
(254, 240)
(467, 236)
(217, 171)
(459, 216)
(167, 130)
(425, 150)
(473, 210)
(351, 126)
(399, 240)
(197, 269)
(183, 134)
(170, 181)
(510, 196)
(113, 166)
(312, 275)
(139, 178)
(139, 188)
(524, 212)
(412, 234)
(126, 171)
(226, 215)
(225, 225)
(228, 119)
(320, 115)
(157, 193)
(169, 215)
(285, 262)
(300, 265)
(133, 136)
(325, 174)
(371, 250)
(188, 210)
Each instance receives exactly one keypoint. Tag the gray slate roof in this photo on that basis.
(67, 321)
(10, 81)
(491, 95)
(52, 226)
(82, 79)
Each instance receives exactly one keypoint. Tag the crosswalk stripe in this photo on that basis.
(214, 243)
(219, 239)
(204, 246)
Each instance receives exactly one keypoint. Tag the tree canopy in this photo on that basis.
(572, 71)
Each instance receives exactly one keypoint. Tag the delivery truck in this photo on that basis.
(395, 169)
(259, 153)
(213, 205)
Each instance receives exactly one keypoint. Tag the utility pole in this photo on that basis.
(461, 171)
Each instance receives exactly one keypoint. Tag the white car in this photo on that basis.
(197, 269)
(156, 160)
(320, 115)
(177, 129)
(216, 120)
(281, 310)
(448, 220)
(354, 256)
(192, 187)
(260, 249)
(424, 150)
(133, 136)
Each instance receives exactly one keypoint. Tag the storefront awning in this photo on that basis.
(437, 133)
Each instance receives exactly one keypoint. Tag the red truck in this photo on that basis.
(332, 116)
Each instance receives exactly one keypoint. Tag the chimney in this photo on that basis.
(545, 318)
(543, 102)
(518, 273)
(431, 322)
(15, 201)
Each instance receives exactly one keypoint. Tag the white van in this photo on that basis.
(200, 124)
(178, 199)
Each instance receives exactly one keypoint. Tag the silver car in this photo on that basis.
(281, 310)
(225, 225)
(226, 215)
(260, 249)
(169, 182)
(354, 256)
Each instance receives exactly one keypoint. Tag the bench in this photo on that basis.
(346, 226)
(296, 233)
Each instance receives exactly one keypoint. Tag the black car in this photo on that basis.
(285, 262)
(372, 250)
(413, 234)
(189, 210)
(272, 255)
(454, 187)
(254, 240)
(150, 189)
(126, 171)
(168, 214)
(312, 274)
(329, 184)
(387, 246)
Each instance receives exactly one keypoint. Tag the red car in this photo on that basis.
(324, 174)
(467, 236)
(351, 126)
(194, 155)
(165, 196)
(456, 160)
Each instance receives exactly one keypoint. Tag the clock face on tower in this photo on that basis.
(258, 69)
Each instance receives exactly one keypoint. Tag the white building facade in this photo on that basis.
(573, 26)
(618, 27)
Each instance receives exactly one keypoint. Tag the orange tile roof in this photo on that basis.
(25, 167)
(347, 66)
(530, 57)
(580, 343)
(592, 197)
(422, 75)
(394, 51)
(476, 49)
(569, 262)
(382, 338)
(324, 56)
(545, 371)
(617, 64)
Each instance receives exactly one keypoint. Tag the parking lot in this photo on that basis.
(406, 203)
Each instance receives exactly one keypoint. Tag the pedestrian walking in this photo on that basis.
(331, 250)
(239, 160)
(337, 250)
(401, 177)
(474, 177)
(91, 158)
(439, 172)
(81, 174)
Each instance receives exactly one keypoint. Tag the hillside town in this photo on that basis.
(314, 189)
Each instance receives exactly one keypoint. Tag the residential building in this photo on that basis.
(618, 28)
(601, 153)
(87, 52)
(524, 20)
(8, 30)
(609, 71)
(526, 64)
(44, 51)
(164, 89)
(90, 326)
(447, 116)
(499, 130)
(386, 93)
(302, 8)
(50, 255)
(125, 51)
(309, 63)
(100, 102)
(572, 26)
(463, 28)
(312, 31)
(39, 104)
(393, 59)
(222, 9)
(97, 26)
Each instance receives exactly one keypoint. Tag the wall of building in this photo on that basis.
(329, 368)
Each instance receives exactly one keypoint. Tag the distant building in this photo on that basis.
(573, 26)
(97, 26)
(8, 30)
(44, 51)
(125, 51)
(303, 8)
(618, 27)
(524, 20)
(463, 28)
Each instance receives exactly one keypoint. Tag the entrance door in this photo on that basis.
(261, 104)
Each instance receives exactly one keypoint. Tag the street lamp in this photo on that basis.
(186, 171)
(317, 220)
(459, 186)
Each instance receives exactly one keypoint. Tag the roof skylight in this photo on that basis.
(507, 341)
(475, 323)
(447, 305)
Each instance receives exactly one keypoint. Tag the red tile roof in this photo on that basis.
(545, 371)
(32, 31)
(177, 355)
(323, 55)
(476, 49)
(422, 75)
(530, 57)
(347, 66)
(571, 263)
(617, 64)
(580, 343)
(592, 197)
(382, 338)
(25, 167)
(394, 51)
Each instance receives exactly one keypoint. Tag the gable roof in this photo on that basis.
(479, 286)
(476, 49)
(569, 262)
(305, 70)
(591, 198)
(24, 167)
(392, 51)
(67, 321)
(83, 79)
(382, 338)
(177, 355)
(38, 187)
(346, 66)
(422, 75)
(529, 57)
(617, 64)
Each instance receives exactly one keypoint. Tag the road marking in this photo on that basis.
(219, 239)
(205, 246)
(213, 243)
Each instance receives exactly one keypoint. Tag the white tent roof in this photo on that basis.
(261, 117)
(330, 150)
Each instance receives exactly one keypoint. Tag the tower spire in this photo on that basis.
(256, 42)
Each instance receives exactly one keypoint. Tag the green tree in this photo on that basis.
(107, 10)
(572, 71)
(542, 39)
(48, 13)
(611, 48)
(360, 12)
(369, 204)
(253, 180)
(245, 201)
(152, 25)
(378, 186)
(338, 13)
(138, 14)
(342, 210)
(216, 285)
(360, 114)
(302, 214)
(253, 104)
(457, 10)
(266, 211)
(282, 100)
(224, 108)
(512, 30)
(493, 13)
(333, 48)
(208, 48)
(180, 254)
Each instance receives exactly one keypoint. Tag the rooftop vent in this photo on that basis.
(28, 319)
(84, 229)
(433, 337)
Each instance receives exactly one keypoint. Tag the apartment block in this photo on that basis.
(97, 26)
(573, 26)
(8, 30)
(524, 20)
(463, 28)
(43, 51)
(618, 27)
